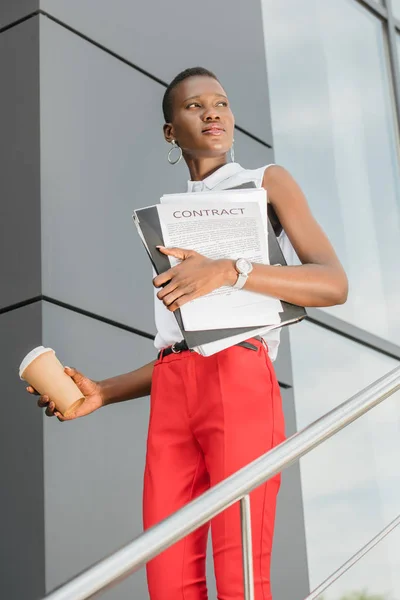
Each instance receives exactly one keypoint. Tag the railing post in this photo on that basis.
(247, 549)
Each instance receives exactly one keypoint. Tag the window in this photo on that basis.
(396, 8)
(351, 483)
(334, 130)
(398, 44)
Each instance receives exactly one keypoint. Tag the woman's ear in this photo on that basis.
(168, 132)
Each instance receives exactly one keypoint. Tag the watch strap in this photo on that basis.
(240, 281)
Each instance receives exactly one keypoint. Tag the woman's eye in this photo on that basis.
(193, 104)
(223, 103)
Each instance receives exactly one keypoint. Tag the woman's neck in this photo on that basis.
(201, 168)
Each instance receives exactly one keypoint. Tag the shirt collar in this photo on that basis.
(210, 182)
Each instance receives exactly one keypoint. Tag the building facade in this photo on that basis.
(314, 86)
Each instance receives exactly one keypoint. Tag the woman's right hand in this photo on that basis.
(89, 388)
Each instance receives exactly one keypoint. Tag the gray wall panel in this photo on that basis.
(289, 569)
(282, 365)
(165, 37)
(94, 466)
(251, 154)
(21, 463)
(19, 160)
(12, 10)
(103, 155)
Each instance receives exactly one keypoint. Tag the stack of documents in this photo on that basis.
(226, 224)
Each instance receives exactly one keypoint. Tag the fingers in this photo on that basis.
(71, 371)
(163, 278)
(179, 253)
(61, 417)
(32, 390)
(50, 409)
(174, 290)
(43, 401)
(180, 302)
(177, 297)
(76, 375)
(168, 289)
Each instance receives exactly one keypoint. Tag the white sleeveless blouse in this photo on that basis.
(228, 176)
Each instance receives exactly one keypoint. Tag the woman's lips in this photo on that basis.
(214, 131)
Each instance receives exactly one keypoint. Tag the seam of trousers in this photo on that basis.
(187, 403)
(267, 483)
(223, 514)
(185, 540)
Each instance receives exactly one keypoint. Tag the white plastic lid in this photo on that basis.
(31, 356)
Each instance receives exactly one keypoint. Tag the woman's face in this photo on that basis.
(202, 121)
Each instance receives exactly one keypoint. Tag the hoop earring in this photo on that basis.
(233, 151)
(174, 147)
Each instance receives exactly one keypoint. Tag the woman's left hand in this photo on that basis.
(195, 276)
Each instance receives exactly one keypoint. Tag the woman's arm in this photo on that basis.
(128, 386)
(100, 393)
(319, 281)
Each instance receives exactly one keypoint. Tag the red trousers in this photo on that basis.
(209, 417)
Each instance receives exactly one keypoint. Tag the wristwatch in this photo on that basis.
(244, 268)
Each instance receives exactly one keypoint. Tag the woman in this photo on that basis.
(211, 416)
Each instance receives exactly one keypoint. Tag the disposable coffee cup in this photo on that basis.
(44, 372)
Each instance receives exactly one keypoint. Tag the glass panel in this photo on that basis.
(334, 130)
(351, 483)
(376, 560)
(396, 8)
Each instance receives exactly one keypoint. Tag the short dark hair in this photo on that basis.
(192, 72)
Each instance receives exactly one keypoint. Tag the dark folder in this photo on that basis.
(148, 221)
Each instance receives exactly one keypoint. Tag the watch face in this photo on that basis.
(244, 266)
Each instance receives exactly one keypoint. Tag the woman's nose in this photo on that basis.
(211, 114)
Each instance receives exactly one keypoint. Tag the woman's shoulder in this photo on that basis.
(257, 175)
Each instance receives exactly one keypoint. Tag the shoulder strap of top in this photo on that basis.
(257, 175)
(273, 217)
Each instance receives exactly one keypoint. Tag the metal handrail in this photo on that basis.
(354, 559)
(152, 542)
